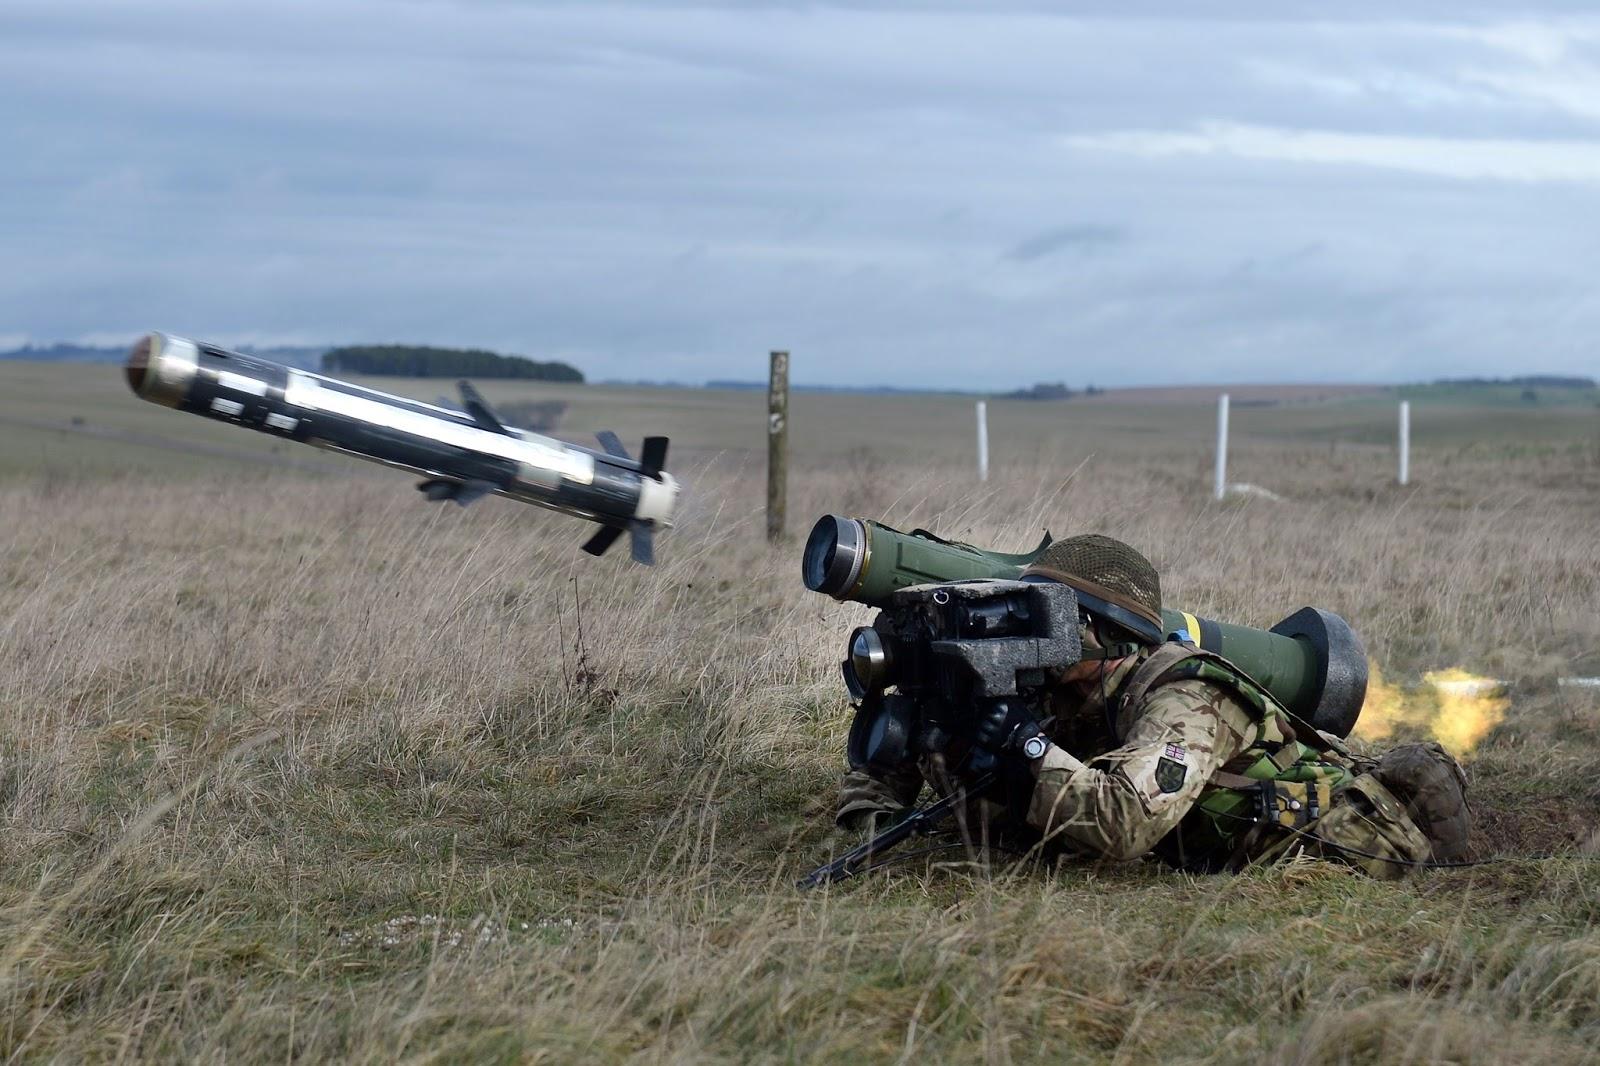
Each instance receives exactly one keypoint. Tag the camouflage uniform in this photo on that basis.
(1175, 752)
(1122, 802)
(1139, 790)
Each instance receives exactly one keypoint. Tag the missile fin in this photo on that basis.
(473, 490)
(653, 457)
(601, 541)
(641, 538)
(438, 488)
(612, 444)
(460, 492)
(476, 406)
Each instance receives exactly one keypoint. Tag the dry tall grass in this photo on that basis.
(301, 768)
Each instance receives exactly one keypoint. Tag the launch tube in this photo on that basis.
(865, 561)
(462, 455)
(1312, 662)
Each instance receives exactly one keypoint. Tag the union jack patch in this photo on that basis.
(1175, 752)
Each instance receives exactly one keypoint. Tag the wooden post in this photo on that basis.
(777, 446)
(1222, 446)
(983, 441)
(1405, 441)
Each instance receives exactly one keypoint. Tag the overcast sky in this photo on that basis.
(979, 195)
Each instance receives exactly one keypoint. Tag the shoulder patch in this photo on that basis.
(1170, 772)
(1172, 769)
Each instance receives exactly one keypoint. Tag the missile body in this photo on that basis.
(462, 455)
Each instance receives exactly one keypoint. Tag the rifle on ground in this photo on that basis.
(921, 820)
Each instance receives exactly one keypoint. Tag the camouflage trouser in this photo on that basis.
(1405, 809)
(865, 798)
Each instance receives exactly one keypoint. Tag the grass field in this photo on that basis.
(294, 766)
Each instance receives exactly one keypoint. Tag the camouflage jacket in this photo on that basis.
(1116, 782)
(1208, 777)
(1155, 756)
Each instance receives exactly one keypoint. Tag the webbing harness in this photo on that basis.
(1280, 780)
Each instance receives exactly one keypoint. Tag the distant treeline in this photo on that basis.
(413, 361)
(68, 353)
(1532, 381)
(1057, 390)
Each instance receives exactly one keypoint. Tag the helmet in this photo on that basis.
(1113, 581)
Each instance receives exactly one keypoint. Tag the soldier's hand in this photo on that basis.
(1004, 727)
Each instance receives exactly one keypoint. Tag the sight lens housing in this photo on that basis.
(868, 664)
(834, 555)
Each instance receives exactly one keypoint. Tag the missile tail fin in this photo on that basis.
(612, 444)
(641, 538)
(653, 457)
(475, 405)
(641, 541)
(601, 541)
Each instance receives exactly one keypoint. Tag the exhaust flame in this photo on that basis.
(1453, 706)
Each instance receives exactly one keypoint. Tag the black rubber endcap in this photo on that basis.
(1341, 667)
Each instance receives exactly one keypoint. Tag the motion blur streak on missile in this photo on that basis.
(462, 455)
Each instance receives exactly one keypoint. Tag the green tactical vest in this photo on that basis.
(1278, 781)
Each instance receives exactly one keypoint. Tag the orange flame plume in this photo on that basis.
(1456, 708)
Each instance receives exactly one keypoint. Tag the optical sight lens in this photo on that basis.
(868, 660)
(820, 548)
(833, 556)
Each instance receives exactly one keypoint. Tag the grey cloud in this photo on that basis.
(1080, 237)
(669, 191)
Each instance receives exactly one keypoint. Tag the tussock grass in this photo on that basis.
(295, 767)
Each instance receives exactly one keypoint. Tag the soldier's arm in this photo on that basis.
(1121, 803)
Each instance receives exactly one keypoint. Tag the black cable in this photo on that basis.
(1346, 848)
(1426, 864)
(1105, 707)
(916, 853)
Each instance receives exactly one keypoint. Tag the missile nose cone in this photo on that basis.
(161, 368)
(139, 363)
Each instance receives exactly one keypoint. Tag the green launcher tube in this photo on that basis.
(1311, 661)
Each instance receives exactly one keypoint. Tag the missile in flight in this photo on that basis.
(461, 455)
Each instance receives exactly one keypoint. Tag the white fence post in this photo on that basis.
(1222, 446)
(983, 441)
(1405, 441)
